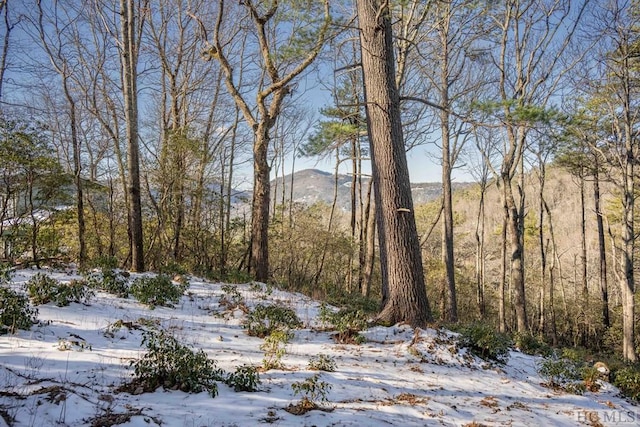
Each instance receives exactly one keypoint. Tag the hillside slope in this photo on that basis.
(66, 371)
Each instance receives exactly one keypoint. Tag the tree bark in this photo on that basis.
(402, 264)
(129, 58)
(602, 250)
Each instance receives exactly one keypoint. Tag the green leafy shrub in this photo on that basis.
(627, 380)
(106, 262)
(485, 342)
(311, 390)
(156, 291)
(322, 362)
(110, 281)
(569, 372)
(347, 322)
(6, 271)
(15, 312)
(172, 268)
(42, 289)
(558, 371)
(532, 345)
(245, 378)
(590, 377)
(74, 291)
(274, 347)
(174, 366)
(263, 320)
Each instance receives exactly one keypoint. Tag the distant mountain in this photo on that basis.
(313, 185)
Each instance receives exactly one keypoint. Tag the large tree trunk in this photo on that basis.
(260, 204)
(407, 299)
(129, 54)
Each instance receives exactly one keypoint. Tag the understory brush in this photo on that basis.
(157, 290)
(485, 342)
(109, 280)
(43, 289)
(567, 370)
(174, 366)
(15, 311)
(263, 320)
(348, 323)
(627, 379)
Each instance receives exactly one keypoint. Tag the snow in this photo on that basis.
(66, 371)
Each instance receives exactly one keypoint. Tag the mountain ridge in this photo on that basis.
(313, 185)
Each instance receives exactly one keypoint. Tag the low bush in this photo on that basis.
(173, 366)
(6, 270)
(263, 320)
(110, 281)
(245, 378)
(42, 289)
(231, 297)
(15, 312)
(312, 390)
(532, 345)
(627, 380)
(347, 322)
(322, 362)
(485, 342)
(274, 347)
(561, 373)
(569, 372)
(157, 291)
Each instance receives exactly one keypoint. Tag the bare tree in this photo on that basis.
(56, 34)
(279, 70)
(132, 19)
(527, 60)
(6, 37)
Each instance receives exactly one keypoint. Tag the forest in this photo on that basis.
(162, 135)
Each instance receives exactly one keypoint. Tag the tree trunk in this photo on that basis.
(367, 244)
(451, 313)
(259, 261)
(626, 262)
(502, 303)
(8, 27)
(583, 326)
(515, 228)
(407, 298)
(543, 248)
(480, 256)
(129, 56)
(602, 250)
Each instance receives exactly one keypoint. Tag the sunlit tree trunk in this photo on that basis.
(129, 57)
(402, 264)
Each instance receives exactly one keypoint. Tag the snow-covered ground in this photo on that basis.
(66, 371)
